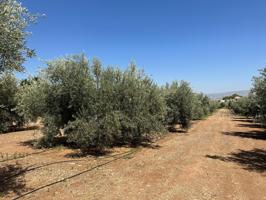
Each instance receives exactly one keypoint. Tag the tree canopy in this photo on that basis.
(14, 19)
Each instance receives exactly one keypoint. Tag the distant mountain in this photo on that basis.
(223, 94)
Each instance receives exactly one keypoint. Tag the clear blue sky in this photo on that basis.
(216, 45)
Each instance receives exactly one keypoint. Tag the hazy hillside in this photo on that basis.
(221, 95)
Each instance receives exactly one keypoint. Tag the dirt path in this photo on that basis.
(223, 157)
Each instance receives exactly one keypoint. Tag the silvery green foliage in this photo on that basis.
(259, 92)
(128, 106)
(253, 105)
(30, 98)
(202, 106)
(179, 100)
(183, 105)
(171, 92)
(14, 19)
(246, 106)
(96, 106)
(8, 112)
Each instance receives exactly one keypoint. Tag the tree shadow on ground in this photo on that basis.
(88, 152)
(30, 143)
(12, 179)
(91, 151)
(12, 129)
(252, 160)
(251, 125)
(258, 135)
(36, 143)
(109, 151)
(147, 145)
(15, 156)
(26, 128)
(243, 120)
(173, 129)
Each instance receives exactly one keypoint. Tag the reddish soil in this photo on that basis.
(222, 157)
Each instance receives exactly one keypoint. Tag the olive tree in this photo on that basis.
(57, 94)
(179, 99)
(14, 19)
(246, 106)
(96, 106)
(127, 108)
(254, 105)
(202, 106)
(259, 92)
(185, 99)
(8, 112)
(170, 92)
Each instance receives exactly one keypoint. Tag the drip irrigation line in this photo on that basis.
(75, 175)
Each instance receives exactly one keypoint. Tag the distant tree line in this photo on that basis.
(230, 97)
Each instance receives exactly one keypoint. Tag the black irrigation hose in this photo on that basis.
(29, 154)
(75, 175)
(31, 168)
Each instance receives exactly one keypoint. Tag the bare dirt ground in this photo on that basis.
(222, 157)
